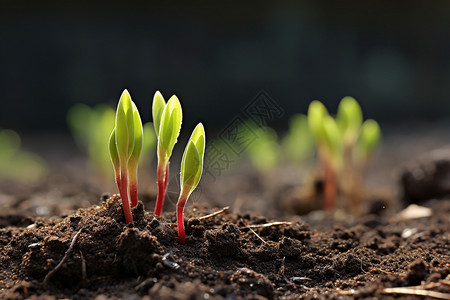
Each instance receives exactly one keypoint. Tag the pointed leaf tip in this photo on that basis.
(157, 109)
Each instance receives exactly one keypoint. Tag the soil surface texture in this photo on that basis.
(93, 254)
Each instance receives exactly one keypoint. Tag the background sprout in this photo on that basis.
(191, 171)
(329, 144)
(125, 146)
(91, 127)
(349, 120)
(264, 151)
(167, 121)
(16, 163)
(298, 143)
(367, 143)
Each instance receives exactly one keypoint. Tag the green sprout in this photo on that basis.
(330, 148)
(367, 143)
(191, 171)
(343, 142)
(91, 128)
(125, 146)
(263, 150)
(167, 121)
(349, 119)
(298, 144)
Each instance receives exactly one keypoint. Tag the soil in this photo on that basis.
(65, 243)
(227, 256)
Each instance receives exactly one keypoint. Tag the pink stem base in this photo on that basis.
(162, 176)
(180, 208)
(123, 190)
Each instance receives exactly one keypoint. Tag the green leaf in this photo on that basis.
(298, 144)
(370, 136)
(124, 127)
(112, 148)
(199, 138)
(170, 127)
(190, 165)
(121, 131)
(157, 110)
(316, 116)
(349, 119)
(138, 135)
(9, 144)
(333, 140)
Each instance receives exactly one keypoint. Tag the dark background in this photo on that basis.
(392, 56)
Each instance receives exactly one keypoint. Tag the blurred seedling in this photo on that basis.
(91, 128)
(360, 141)
(167, 122)
(16, 163)
(125, 146)
(261, 145)
(329, 147)
(298, 144)
(190, 174)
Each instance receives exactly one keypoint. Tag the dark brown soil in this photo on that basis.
(227, 256)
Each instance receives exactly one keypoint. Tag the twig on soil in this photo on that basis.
(63, 260)
(83, 268)
(268, 224)
(351, 292)
(257, 235)
(416, 292)
(215, 213)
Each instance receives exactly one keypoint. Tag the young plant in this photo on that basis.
(125, 147)
(349, 119)
(191, 171)
(167, 121)
(330, 149)
(367, 143)
(298, 144)
(90, 128)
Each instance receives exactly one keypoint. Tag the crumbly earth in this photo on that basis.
(227, 256)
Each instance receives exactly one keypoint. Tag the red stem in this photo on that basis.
(161, 175)
(329, 193)
(124, 195)
(133, 194)
(180, 222)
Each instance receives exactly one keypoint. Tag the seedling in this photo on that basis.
(167, 121)
(349, 119)
(330, 148)
(367, 143)
(345, 142)
(125, 147)
(298, 144)
(90, 128)
(191, 171)
(263, 148)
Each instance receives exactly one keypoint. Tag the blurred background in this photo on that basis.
(392, 56)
